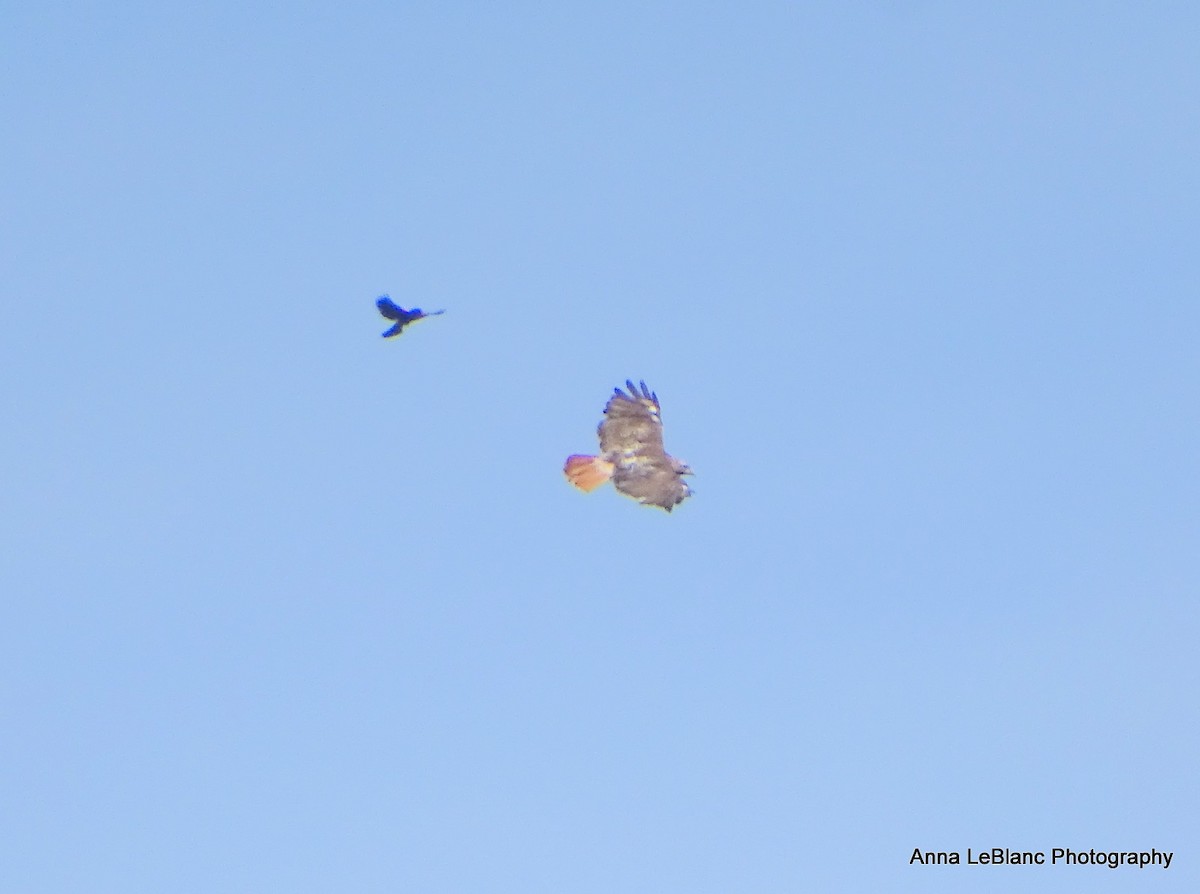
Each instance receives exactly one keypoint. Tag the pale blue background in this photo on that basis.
(288, 607)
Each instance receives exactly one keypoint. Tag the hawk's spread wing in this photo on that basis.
(632, 423)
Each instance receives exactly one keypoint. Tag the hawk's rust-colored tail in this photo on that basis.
(587, 472)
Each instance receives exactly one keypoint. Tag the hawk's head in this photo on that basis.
(680, 467)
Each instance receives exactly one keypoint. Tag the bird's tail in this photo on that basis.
(587, 472)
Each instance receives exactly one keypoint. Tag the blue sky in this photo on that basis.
(291, 607)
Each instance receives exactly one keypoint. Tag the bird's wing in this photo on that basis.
(389, 309)
(632, 424)
(652, 481)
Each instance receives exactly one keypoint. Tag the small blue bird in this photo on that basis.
(403, 317)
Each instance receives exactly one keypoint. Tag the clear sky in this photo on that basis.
(289, 607)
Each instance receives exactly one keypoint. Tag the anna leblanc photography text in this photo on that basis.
(1058, 855)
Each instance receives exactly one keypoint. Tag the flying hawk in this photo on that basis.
(402, 317)
(632, 454)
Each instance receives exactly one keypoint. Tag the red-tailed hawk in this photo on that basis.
(399, 315)
(632, 454)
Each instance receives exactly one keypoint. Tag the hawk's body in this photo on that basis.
(632, 454)
(402, 317)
